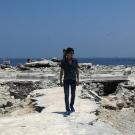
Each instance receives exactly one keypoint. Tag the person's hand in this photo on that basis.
(61, 83)
(77, 82)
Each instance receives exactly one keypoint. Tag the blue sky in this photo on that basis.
(42, 28)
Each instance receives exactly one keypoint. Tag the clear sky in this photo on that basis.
(42, 28)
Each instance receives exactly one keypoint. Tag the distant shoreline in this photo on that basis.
(95, 61)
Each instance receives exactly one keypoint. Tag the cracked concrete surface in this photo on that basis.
(51, 120)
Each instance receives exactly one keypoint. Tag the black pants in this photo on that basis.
(67, 84)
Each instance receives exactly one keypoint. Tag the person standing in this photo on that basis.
(69, 67)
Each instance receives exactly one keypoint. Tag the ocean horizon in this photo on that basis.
(98, 60)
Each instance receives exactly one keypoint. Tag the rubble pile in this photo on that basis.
(92, 86)
(15, 94)
(126, 93)
(43, 63)
(111, 96)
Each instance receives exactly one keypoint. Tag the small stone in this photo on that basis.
(9, 104)
(108, 104)
(120, 104)
(134, 100)
(1, 105)
(7, 109)
(2, 110)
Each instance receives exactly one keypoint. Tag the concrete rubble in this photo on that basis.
(106, 95)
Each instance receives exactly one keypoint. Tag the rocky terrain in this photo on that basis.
(16, 84)
(115, 94)
(105, 99)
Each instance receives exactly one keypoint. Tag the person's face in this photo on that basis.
(70, 55)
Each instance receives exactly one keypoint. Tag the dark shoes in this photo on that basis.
(72, 109)
(67, 113)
